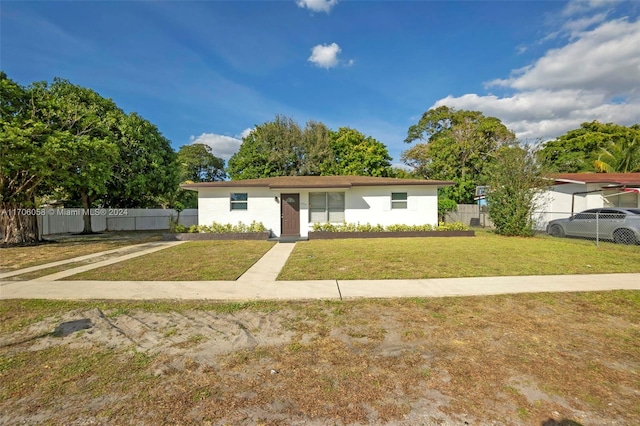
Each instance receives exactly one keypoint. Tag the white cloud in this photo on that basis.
(246, 132)
(576, 7)
(222, 146)
(595, 76)
(574, 27)
(325, 55)
(606, 58)
(317, 5)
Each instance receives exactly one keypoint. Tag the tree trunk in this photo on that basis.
(86, 213)
(18, 225)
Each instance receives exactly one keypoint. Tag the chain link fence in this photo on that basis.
(620, 226)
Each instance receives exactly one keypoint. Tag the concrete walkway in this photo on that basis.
(259, 283)
(268, 266)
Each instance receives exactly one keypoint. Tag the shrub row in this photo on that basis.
(222, 228)
(358, 227)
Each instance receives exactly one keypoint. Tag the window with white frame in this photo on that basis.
(239, 200)
(326, 207)
(398, 200)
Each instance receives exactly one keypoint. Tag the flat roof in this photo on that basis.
(284, 182)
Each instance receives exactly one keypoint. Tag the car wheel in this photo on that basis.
(624, 236)
(556, 231)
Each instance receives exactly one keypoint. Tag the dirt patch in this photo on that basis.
(565, 359)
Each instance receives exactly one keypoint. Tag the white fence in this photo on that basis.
(60, 221)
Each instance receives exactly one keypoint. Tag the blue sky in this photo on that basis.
(207, 71)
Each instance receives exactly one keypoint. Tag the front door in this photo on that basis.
(290, 214)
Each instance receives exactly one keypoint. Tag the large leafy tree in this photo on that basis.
(271, 149)
(90, 147)
(356, 154)
(594, 147)
(147, 164)
(64, 139)
(455, 145)
(196, 163)
(112, 159)
(282, 148)
(30, 152)
(515, 180)
(314, 153)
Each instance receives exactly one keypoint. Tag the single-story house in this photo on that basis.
(574, 192)
(290, 205)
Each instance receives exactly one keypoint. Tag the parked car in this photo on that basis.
(621, 225)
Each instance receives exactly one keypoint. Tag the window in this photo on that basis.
(398, 200)
(326, 207)
(239, 201)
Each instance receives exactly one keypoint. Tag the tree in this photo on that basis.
(316, 152)
(282, 148)
(112, 159)
(90, 148)
(146, 167)
(515, 180)
(271, 149)
(356, 154)
(622, 156)
(578, 150)
(29, 153)
(196, 163)
(60, 138)
(445, 205)
(457, 146)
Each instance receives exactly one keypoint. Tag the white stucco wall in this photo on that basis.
(373, 205)
(214, 206)
(556, 202)
(560, 197)
(362, 204)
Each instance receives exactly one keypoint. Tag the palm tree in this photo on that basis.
(622, 156)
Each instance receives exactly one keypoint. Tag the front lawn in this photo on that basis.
(191, 261)
(486, 254)
(64, 247)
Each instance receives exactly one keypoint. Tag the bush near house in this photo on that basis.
(220, 228)
(358, 227)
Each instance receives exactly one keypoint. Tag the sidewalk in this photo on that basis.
(259, 283)
(327, 289)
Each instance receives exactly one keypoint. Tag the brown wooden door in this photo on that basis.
(290, 214)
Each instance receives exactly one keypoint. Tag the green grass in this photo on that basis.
(191, 261)
(12, 258)
(487, 254)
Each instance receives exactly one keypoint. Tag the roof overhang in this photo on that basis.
(610, 179)
(316, 182)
